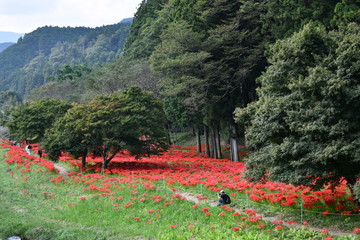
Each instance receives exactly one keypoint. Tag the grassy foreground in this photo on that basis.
(37, 203)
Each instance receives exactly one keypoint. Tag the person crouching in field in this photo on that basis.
(223, 198)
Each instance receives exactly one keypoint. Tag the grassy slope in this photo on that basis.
(35, 208)
(27, 212)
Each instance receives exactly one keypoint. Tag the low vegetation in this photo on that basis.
(144, 199)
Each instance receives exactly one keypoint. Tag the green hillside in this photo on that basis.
(25, 65)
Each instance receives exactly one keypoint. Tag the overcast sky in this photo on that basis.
(24, 16)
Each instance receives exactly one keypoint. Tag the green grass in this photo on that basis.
(34, 207)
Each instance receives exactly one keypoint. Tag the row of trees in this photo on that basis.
(131, 120)
(208, 54)
(207, 58)
(302, 122)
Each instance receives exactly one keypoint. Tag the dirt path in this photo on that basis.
(193, 198)
(62, 171)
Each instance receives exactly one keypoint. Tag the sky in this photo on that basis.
(24, 16)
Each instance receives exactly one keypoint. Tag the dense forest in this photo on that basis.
(5, 45)
(39, 54)
(280, 76)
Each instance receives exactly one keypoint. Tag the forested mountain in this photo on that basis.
(5, 45)
(26, 64)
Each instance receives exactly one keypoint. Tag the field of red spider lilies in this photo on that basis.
(185, 171)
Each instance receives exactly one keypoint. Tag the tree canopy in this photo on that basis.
(130, 120)
(305, 126)
(31, 120)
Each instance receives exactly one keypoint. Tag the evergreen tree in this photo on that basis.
(305, 126)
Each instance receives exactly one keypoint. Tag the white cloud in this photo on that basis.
(25, 16)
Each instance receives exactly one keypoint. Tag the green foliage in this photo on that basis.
(131, 120)
(145, 30)
(346, 11)
(175, 111)
(25, 65)
(31, 120)
(67, 85)
(306, 122)
(69, 134)
(70, 72)
(181, 61)
(122, 74)
(8, 100)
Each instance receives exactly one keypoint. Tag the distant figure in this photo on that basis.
(28, 149)
(40, 152)
(223, 198)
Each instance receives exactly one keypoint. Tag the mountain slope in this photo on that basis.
(26, 64)
(5, 45)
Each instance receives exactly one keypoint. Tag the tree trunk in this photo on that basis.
(351, 184)
(169, 135)
(213, 143)
(218, 144)
(198, 140)
(83, 161)
(234, 153)
(106, 160)
(207, 145)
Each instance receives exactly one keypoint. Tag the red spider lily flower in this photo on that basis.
(150, 211)
(83, 198)
(324, 230)
(254, 197)
(212, 227)
(325, 212)
(129, 204)
(201, 197)
(346, 213)
(254, 219)
(208, 214)
(137, 218)
(150, 222)
(356, 230)
(233, 194)
(156, 198)
(305, 223)
(235, 229)
(328, 238)
(236, 214)
(250, 212)
(195, 206)
(142, 199)
(205, 209)
(261, 225)
(279, 227)
(191, 227)
(222, 214)
(174, 226)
